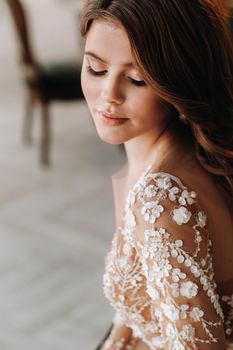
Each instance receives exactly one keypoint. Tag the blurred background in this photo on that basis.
(56, 206)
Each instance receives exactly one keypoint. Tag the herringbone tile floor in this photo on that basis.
(56, 225)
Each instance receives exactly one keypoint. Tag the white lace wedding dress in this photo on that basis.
(159, 274)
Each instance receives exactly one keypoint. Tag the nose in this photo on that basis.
(112, 91)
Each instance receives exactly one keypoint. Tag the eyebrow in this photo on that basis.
(90, 53)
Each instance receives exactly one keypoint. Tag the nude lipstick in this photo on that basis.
(112, 119)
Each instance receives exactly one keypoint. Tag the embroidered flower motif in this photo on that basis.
(175, 289)
(201, 219)
(172, 193)
(137, 317)
(184, 195)
(151, 235)
(181, 215)
(177, 274)
(130, 200)
(170, 311)
(137, 331)
(158, 342)
(166, 268)
(188, 262)
(130, 218)
(205, 282)
(164, 183)
(170, 331)
(196, 314)
(198, 237)
(163, 233)
(156, 235)
(151, 211)
(183, 311)
(153, 293)
(188, 289)
(187, 197)
(203, 262)
(176, 345)
(174, 253)
(180, 259)
(142, 182)
(150, 191)
(179, 243)
(188, 332)
(151, 327)
(191, 197)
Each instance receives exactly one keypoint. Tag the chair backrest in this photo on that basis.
(19, 17)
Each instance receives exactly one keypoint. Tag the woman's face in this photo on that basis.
(122, 105)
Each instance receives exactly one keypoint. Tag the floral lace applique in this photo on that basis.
(159, 273)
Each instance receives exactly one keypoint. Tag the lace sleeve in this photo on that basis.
(175, 249)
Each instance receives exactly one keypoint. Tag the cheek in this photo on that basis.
(88, 86)
(84, 84)
(149, 111)
(148, 104)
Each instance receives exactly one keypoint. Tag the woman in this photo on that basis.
(157, 77)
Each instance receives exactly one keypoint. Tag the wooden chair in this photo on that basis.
(44, 83)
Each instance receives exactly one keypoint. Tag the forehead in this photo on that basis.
(109, 40)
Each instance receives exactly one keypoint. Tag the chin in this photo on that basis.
(111, 139)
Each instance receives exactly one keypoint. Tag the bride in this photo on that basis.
(157, 77)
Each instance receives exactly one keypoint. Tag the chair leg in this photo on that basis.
(45, 136)
(27, 122)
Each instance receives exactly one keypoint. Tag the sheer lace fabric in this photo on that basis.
(159, 273)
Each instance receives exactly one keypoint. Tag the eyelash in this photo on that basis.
(134, 82)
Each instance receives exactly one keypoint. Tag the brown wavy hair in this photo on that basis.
(184, 48)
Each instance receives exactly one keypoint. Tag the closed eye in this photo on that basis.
(94, 72)
(99, 73)
(137, 82)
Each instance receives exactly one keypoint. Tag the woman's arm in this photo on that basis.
(173, 242)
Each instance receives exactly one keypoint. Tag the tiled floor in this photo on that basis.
(55, 225)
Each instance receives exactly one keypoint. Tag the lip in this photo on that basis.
(112, 115)
(112, 119)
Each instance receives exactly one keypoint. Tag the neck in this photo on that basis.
(160, 151)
